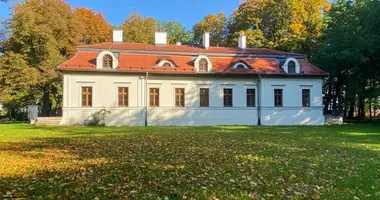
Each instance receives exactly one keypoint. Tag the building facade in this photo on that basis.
(181, 85)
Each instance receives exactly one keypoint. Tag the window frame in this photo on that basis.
(125, 97)
(203, 65)
(107, 63)
(228, 97)
(307, 101)
(251, 96)
(89, 96)
(179, 97)
(294, 66)
(204, 103)
(156, 99)
(278, 97)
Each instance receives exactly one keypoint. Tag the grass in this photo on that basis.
(329, 162)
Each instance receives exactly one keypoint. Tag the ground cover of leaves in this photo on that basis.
(231, 162)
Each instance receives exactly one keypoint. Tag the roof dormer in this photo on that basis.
(240, 65)
(291, 66)
(166, 63)
(203, 64)
(106, 60)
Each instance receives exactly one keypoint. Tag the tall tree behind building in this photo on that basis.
(349, 51)
(136, 28)
(290, 25)
(95, 29)
(215, 24)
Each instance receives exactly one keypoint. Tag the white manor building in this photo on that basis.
(182, 85)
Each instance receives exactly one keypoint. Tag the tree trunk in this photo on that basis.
(46, 104)
(362, 108)
(370, 108)
(352, 110)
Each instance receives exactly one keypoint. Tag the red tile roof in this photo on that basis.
(184, 49)
(137, 57)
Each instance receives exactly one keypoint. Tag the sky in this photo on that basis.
(186, 12)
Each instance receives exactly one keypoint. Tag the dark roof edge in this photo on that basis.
(190, 73)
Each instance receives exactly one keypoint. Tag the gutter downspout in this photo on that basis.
(259, 101)
(146, 98)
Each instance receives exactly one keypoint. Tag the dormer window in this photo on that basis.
(203, 65)
(291, 67)
(240, 65)
(166, 63)
(107, 61)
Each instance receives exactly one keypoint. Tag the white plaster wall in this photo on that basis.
(292, 112)
(105, 95)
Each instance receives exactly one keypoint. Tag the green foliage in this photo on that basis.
(40, 44)
(176, 32)
(215, 24)
(290, 25)
(349, 51)
(325, 162)
(138, 29)
(98, 118)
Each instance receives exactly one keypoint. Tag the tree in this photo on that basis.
(290, 25)
(136, 28)
(349, 52)
(95, 29)
(42, 42)
(176, 32)
(215, 24)
(17, 80)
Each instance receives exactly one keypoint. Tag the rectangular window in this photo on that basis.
(154, 94)
(278, 97)
(123, 96)
(305, 97)
(227, 97)
(251, 100)
(180, 97)
(204, 97)
(86, 96)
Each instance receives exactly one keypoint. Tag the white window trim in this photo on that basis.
(285, 66)
(99, 60)
(209, 64)
(162, 62)
(239, 63)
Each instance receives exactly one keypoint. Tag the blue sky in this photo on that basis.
(116, 11)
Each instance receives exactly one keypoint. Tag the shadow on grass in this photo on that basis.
(201, 162)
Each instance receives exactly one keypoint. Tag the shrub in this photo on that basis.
(98, 118)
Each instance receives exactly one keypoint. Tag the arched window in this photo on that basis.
(203, 65)
(166, 64)
(240, 66)
(107, 61)
(291, 67)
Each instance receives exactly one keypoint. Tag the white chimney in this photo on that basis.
(160, 38)
(242, 41)
(206, 40)
(117, 36)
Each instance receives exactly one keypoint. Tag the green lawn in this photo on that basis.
(329, 162)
